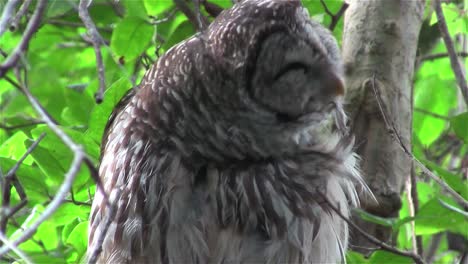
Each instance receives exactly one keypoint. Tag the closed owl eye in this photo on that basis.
(293, 66)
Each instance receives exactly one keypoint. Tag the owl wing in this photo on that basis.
(148, 183)
(118, 228)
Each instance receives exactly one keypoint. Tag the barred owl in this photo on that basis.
(221, 154)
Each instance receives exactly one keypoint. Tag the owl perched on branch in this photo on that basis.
(222, 153)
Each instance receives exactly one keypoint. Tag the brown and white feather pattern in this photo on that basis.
(202, 170)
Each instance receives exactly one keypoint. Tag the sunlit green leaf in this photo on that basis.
(78, 238)
(433, 217)
(131, 37)
(101, 113)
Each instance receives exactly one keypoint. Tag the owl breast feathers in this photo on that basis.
(224, 151)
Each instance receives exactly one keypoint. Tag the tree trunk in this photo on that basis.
(379, 47)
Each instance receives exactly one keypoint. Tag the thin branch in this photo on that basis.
(393, 131)
(436, 56)
(417, 259)
(167, 17)
(211, 8)
(7, 15)
(18, 252)
(55, 203)
(433, 247)
(10, 178)
(25, 155)
(97, 41)
(21, 12)
(446, 118)
(31, 28)
(197, 20)
(456, 66)
(58, 22)
(7, 127)
(79, 158)
(413, 202)
(335, 18)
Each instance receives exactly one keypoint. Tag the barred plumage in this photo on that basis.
(220, 154)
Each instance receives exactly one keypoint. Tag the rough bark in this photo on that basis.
(379, 47)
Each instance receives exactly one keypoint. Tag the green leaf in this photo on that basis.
(183, 31)
(135, 8)
(456, 21)
(78, 238)
(101, 113)
(131, 37)
(14, 148)
(59, 7)
(434, 218)
(455, 181)
(31, 178)
(434, 95)
(156, 8)
(454, 208)
(459, 124)
(375, 219)
(67, 212)
(46, 234)
(353, 257)
(381, 256)
(69, 227)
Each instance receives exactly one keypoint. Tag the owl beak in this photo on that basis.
(334, 84)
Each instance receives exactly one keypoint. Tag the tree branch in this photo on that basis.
(370, 238)
(18, 252)
(79, 158)
(21, 12)
(436, 56)
(97, 41)
(197, 19)
(7, 15)
(394, 133)
(335, 18)
(31, 28)
(10, 178)
(455, 63)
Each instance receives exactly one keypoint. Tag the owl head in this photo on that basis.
(266, 73)
(286, 63)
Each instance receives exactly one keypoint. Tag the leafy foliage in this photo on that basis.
(61, 72)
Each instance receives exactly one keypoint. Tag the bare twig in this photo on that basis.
(100, 239)
(197, 20)
(423, 111)
(456, 66)
(97, 41)
(66, 23)
(413, 206)
(211, 8)
(18, 252)
(33, 123)
(393, 131)
(31, 28)
(433, 247)
(167, 17)
(25, 155)
(417, 259)
(79, 158)
(335, 18)
(21, 12)
(436, 56)
(7, 15)
(10, 178)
